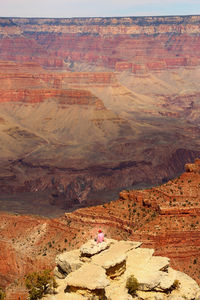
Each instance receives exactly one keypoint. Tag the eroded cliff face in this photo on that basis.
(109, 102)
(152, 43)
(166, 218)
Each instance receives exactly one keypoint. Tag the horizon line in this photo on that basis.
(101, 17)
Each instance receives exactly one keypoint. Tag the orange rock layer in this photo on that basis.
(75, 97)
(135, 44)
(155, 216)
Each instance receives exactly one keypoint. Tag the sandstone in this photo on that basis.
(158, 263)
(156, 280)
(188, 288)
(117, 290)
(151, 295)
(67, 262)
(65, 296)
(91, 247)
(115, 254)
(192, 167)
(149, 270)
(114, 259)
(137, 258)
(58, 273)
(89, 276)
(61, 109)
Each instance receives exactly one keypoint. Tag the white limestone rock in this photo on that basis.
(188, 288)
(116, 254)
(117, 290)
(68, 262)
(91, 247)
(109, 268)
(151, 295)
(137, 259)
(89, 276)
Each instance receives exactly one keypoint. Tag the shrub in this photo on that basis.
(132, 285)
(2, 294)
(39, 284)
(174, 286)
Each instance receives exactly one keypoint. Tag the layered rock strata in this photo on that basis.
(89, 103)
(165, 218)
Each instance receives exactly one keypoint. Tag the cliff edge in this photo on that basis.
(110, 269)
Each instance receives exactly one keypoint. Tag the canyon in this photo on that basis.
(89, 106)
(164, 218)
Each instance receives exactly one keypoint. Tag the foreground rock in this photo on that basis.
(67, 262)
(105, 274)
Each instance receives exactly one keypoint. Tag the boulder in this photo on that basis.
(88, 277)
(188, 288)
(148, 270)
(137, 259)
(67, 262)
(58, 273)
(105, 276)
(113, 262)
(91, 247)
(116, 254)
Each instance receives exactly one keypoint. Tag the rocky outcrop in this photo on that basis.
(165, 218)
(154, 278)
(193, 167)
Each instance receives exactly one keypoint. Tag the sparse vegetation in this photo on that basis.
(132, 285)
(39, 284)
(2, 294)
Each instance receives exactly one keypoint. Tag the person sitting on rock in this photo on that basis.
(100, 237)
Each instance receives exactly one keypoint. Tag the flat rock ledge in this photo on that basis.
(104, 273)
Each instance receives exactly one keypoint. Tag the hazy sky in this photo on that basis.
(85, 8)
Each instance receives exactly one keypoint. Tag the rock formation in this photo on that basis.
(101, 271)
(109, 102)
(164, 218)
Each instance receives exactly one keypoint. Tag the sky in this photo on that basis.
(97, 8)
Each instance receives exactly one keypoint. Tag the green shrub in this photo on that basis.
(39, 284)
(132, 285)
(2, 294)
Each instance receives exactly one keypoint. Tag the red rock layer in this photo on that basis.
(134, 44)
(75, 97)
(138, 215)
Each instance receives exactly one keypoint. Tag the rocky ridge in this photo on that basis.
(100, 271)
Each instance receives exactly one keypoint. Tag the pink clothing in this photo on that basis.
(100, 237)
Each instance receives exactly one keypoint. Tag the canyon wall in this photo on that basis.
(152, 43)
(166, 218)
(96, 104)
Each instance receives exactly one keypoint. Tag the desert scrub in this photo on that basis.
(39, 284)
(132, 285)
(2, 294)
